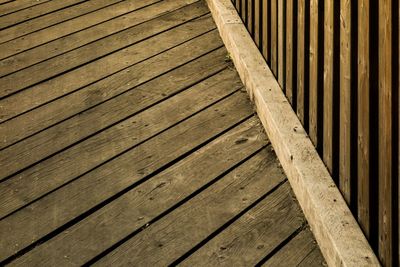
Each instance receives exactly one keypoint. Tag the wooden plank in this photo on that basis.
(148, 157)
(190, 223)
(178, 182)
(53, 18)
(274, 37)
(281, 44)
(73, 41)
(291, 80)
(254, 235)
(265, 5)
(257, 23)
(15, 6)
(328, 84)
(386, 233)
(56, 111)
(35, 11)
(250, 17)
(57, 65)
(243, 10)
(315, 90)
(301, 90)
(126, 134)
(102, 68)
(345, 152)
(298, 252)
(364, 127)
(46, 35)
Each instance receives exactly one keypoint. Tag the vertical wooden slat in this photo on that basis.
(257, 22)
(314, 72)
(385, 133)
(289, 84)
(345, 99)
(274, 36)
(364, 142)
(300, 60)
(265, 29)
(281, 64)
(250, 5)
(328, 84)
(243, 10)
(237, 5)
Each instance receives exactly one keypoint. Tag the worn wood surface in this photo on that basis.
(291, 52)
(129, 131)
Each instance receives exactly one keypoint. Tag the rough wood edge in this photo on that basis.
(337, 232)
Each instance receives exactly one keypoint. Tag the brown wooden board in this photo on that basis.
(302, 250)
(291, 52)
(274, 37)
(386, 236)
(265, 37)
(281, 43)
(166, 240)
(128, 133)
(94, 51)
(56, 111)
(102, 68)
(15, 6)
(141, 205)
(35, 11)
(77, 24)
(53, 18)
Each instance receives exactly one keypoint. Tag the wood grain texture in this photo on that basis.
(46, 35)
(364, 127)
(15, 6)
(125, 134)
(254, 235)
(301, 58)
(53, 211)
(126, 80)
(345, 152)
(328, 84)
(257, 23)
(53, 18)
(302, 250)
(274, 36)
(222, 201)
(291, 41)
(55, 66)
(35, 11)
(385, 134)
(102, 68)
(265, 4)
(315, 71)
(281, 43)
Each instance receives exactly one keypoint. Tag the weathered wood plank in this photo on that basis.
(130, 212)
(102, 68)
(265, 37)
(14, 6)
(35, 11)
(257, 23)
(91, 52)
(291, 53)
(328, 84)
(53, 211)
(53, 172)
(46, 35)
(386, 233)
(250, 18)
(364, 127)
(274, 36)
(302, 250)
(75, 40)
(222, 201)
(301, 47)
(315, 128)
(345, 152)
(66, 107)
(254, 235)
(281, 43)
(53, 18)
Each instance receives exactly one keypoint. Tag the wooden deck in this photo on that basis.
(127, 138)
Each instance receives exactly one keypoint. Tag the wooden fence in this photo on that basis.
(337, 61)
